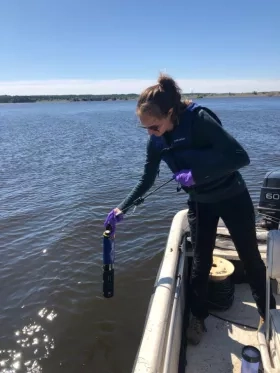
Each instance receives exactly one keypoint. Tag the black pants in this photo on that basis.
(239, 217)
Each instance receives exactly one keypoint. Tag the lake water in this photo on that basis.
(64, 166)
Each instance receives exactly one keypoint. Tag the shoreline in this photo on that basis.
(226, 95)
(6, 99)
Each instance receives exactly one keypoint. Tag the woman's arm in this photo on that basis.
(223, 155)
(147, 180)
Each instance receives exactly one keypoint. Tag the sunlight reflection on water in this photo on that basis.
(35, 345)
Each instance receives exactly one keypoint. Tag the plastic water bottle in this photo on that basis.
(251, 358)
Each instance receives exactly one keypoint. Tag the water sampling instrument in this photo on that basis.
(109, 248)
(108, 262)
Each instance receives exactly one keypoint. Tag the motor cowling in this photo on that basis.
(269, 203)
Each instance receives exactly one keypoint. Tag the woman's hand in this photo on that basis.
(184, 177)
(114, 217)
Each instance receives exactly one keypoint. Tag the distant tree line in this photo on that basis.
(22, 99)
(5, 99)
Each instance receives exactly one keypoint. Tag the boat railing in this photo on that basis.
(156, 347)
(272, 272)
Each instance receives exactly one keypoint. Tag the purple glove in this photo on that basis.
(112, 219)
(184, 177)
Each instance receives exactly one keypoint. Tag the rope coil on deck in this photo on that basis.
(221, 294)
(221, 286)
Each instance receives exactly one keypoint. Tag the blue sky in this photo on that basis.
(63, 45)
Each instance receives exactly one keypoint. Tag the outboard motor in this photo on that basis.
(269, 204)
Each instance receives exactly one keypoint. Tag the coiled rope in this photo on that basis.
(221, 294)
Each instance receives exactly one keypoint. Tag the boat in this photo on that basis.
(230, 332)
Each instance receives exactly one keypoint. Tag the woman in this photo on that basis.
(204, 159)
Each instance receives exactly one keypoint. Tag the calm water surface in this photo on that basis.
(63, 167)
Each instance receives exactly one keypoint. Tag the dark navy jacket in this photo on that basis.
(201, 144)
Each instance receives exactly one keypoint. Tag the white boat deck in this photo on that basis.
(225, 247)
(221, 346)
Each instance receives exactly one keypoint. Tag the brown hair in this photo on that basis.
(158, 99)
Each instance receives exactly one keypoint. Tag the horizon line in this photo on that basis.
(137, 94)
(127, 86)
